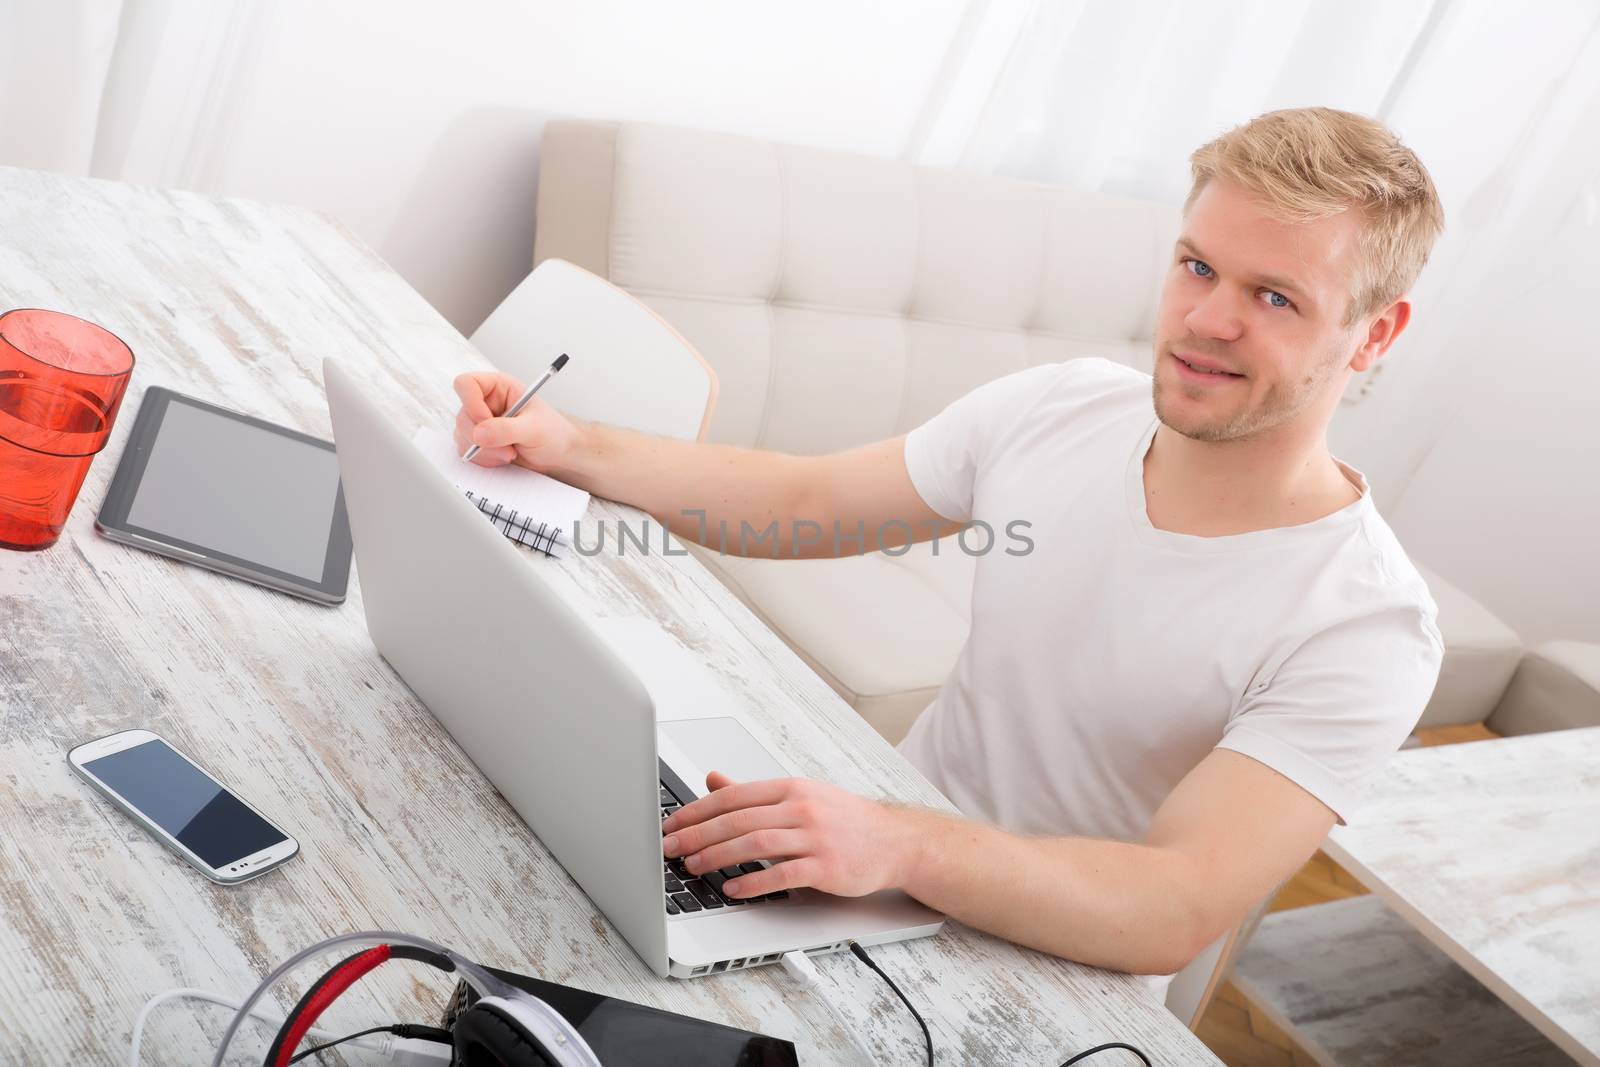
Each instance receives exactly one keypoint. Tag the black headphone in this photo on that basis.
(505, 1027)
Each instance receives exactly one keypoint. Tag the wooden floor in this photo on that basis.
(1233, 1028)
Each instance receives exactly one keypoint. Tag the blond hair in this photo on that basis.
(1308, 163)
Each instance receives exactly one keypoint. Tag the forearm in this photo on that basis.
(756, 503)
(695, 489)
(737, 500)
(1106, 903)
(1225, 836)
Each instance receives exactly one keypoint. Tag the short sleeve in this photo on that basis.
(945, 455)
(1342, 703)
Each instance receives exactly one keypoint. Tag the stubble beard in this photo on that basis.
(1281, 404)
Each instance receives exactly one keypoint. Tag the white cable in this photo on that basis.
(380, 1043)
(802, 970)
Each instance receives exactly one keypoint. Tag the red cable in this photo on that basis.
(342, 979)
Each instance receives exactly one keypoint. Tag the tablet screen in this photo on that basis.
(238, 489)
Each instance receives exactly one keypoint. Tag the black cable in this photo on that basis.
(1108, 1045)
(314, 1049)
(426, 1033)
(861, 954)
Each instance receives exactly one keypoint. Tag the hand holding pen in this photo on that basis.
(487, 429)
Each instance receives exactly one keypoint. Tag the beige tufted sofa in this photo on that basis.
(843, 299)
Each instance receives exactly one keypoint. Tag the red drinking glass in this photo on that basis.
(61, 383)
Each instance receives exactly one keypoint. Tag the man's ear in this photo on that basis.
(1381, 334)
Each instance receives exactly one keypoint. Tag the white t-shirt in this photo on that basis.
(1105, 663)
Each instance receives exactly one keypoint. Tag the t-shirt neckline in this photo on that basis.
(1345, 518)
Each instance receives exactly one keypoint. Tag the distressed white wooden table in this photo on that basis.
(1492, 850)
(238, 303)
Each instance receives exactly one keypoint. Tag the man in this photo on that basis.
(1164, 706)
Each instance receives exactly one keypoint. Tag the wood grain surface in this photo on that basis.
(237, 303)
(1354, 985)
(1492, 850)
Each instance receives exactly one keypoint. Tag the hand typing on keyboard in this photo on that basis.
(816, 835)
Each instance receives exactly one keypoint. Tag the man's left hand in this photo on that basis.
(817, 835)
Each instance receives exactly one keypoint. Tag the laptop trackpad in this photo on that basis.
(695, 747)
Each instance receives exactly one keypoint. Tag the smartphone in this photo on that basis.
(186, 809)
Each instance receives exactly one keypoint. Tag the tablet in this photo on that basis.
(231, 493)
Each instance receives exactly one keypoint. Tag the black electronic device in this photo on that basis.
(231, 493)
(625, 1034)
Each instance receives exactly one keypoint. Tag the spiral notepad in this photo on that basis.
(529, 508)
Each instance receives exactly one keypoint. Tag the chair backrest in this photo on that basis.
(628, 366)
(1191, 989)
(841, 298)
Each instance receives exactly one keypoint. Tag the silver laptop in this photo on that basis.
(593, 732)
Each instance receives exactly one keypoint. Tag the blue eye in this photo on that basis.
(1197, 268)
(1273, 298)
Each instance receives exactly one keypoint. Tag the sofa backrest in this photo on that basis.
(841, 298)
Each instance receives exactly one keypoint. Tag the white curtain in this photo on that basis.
(1112, 97)
(54, 57)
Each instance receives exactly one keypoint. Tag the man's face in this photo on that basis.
(1263, 302)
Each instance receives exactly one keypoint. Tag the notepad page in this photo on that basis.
(529, 493)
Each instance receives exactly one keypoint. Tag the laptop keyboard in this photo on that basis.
(687, 894)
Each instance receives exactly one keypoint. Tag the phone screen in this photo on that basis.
(185, 802)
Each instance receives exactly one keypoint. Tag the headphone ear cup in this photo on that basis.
(485, 1037)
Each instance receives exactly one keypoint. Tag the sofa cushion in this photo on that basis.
(1480, 654)
(1556, 687)
(843, 299)
(882, 630)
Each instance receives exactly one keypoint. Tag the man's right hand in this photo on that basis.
(539, 438)
(707, 493)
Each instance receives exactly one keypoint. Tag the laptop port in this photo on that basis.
(719, 966)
